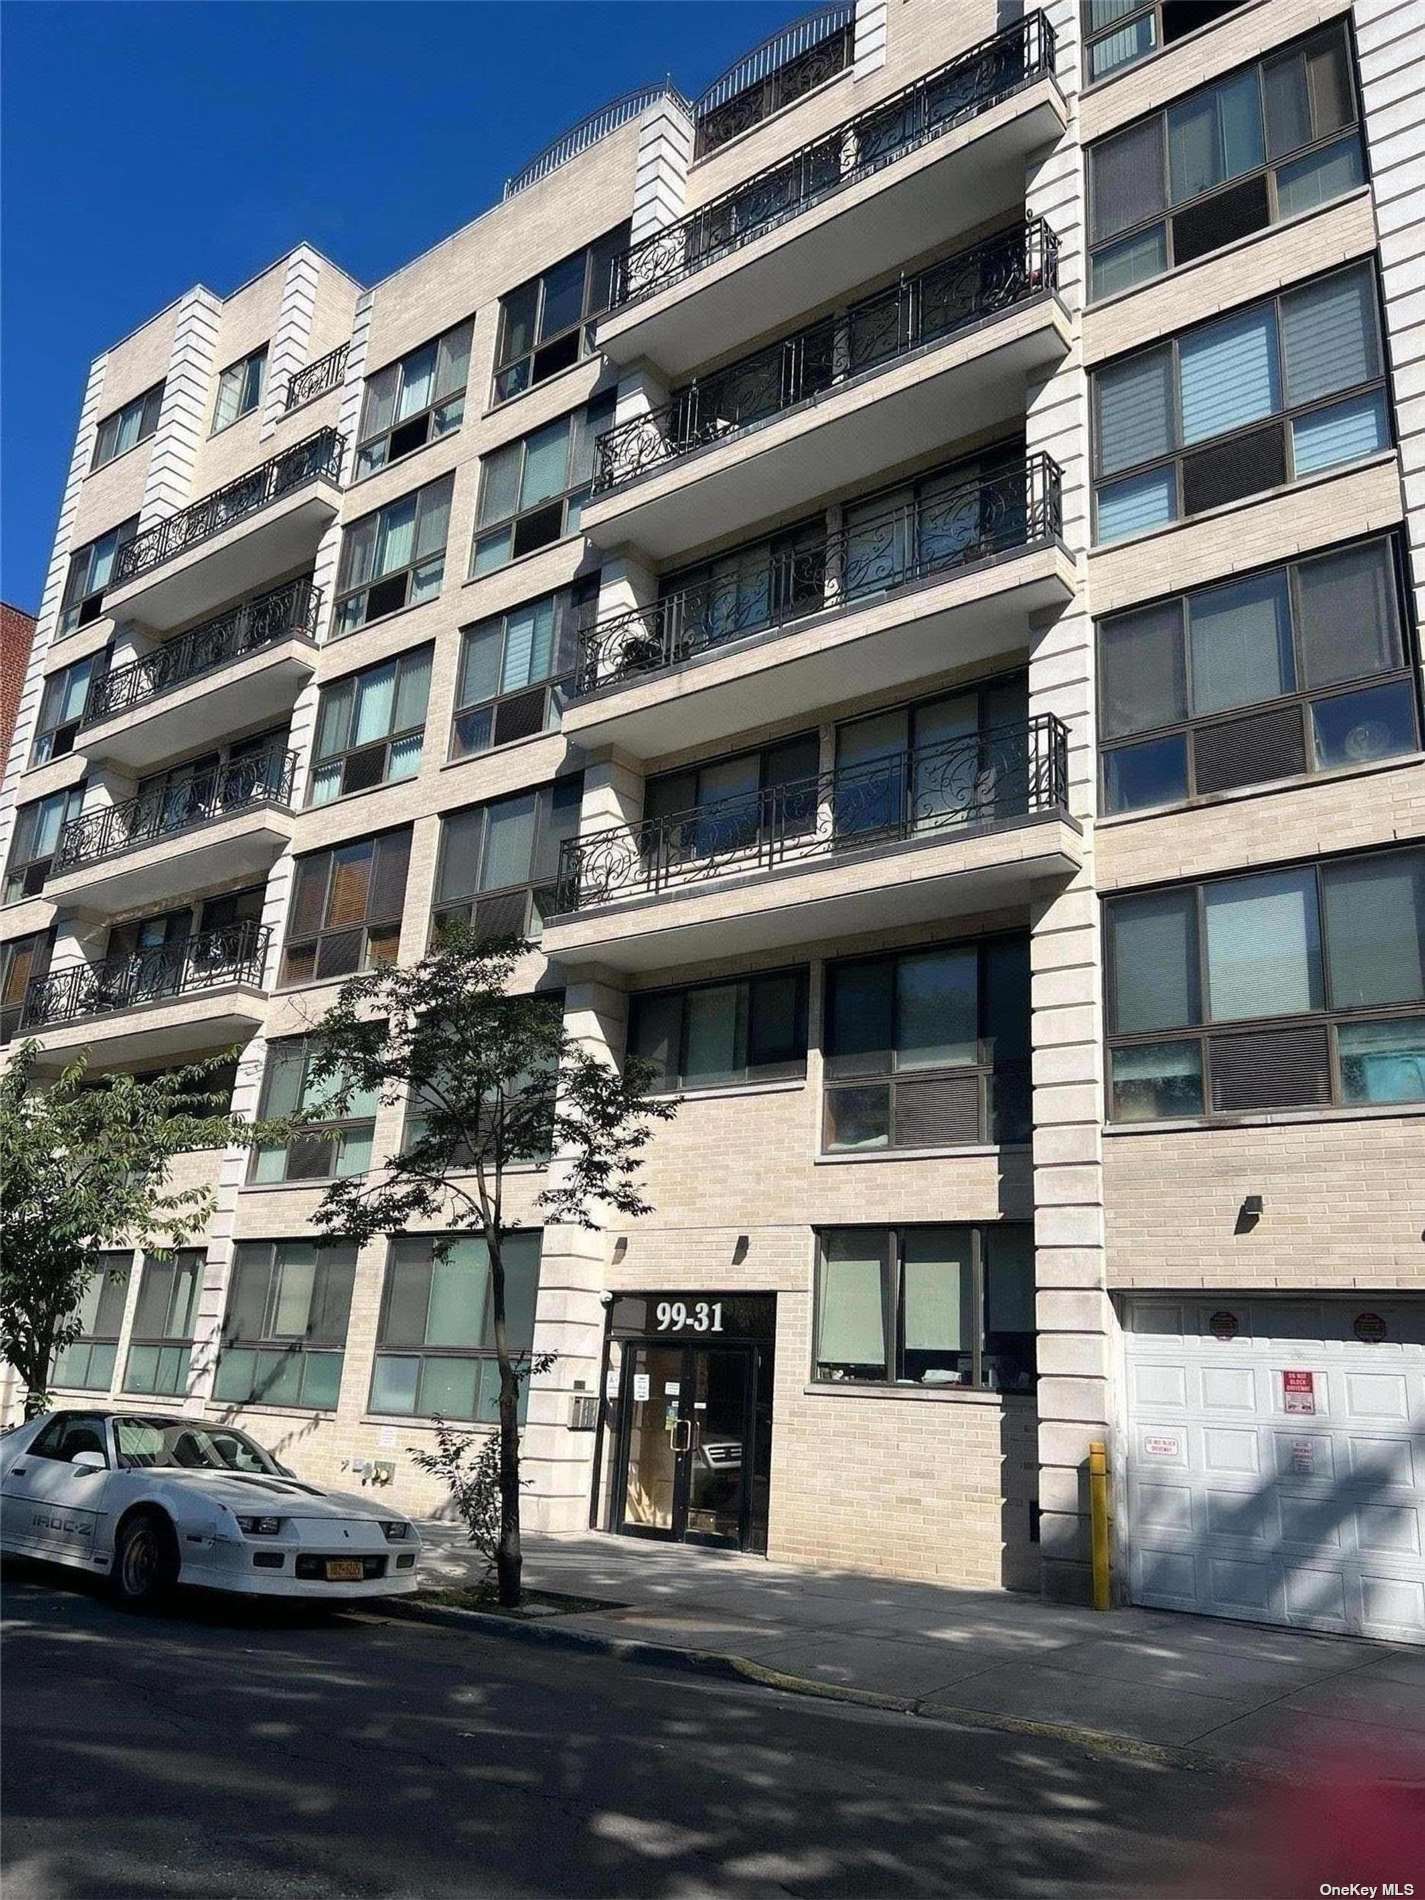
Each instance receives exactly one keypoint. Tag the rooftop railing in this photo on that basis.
(782, 69)
(266, 778)
(287, 610)
(315, 379)
(996, 274)
(1001, 774)
(926, 110)
(236, 953)
(972, 521)
(317, 459)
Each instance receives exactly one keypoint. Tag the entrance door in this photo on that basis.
(687, 1444)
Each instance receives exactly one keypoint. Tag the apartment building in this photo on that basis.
(903, 574)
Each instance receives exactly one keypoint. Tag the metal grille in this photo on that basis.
(1278, 1068)
(520, 717)
(589, 131)
(941, 1110)
(1227, 471)
(1219, 220)
(1245, 751)
(503, 916)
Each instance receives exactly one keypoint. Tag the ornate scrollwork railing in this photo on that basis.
(1016, 507)
(965, 87)
(316, 459)
(723, 118)
(994, 275)
(290, 609)
(1008, 772)
(266, 778)
(237, 953)
(315, 379)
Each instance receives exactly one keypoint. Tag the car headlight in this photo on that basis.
(395, 1528)
(259, 1526)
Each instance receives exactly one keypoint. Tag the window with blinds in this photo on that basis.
(284, 1334)
(394, 557)
(499, 862)
(435, 1352)
(512, 667)
(161, 1343)
(370, 727)
(346, 908)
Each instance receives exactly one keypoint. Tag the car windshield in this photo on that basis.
(177, 1445)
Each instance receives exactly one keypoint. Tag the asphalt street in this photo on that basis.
(219, 1750)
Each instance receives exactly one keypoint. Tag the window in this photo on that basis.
(285, 1331)
(87, 1363)
(928, 1049)
(1319, 970)
(240, 389)
(512, 666)
(1244, 403)
(370, 726)
(346, 908)
(741, 592)
(751, 1029)
(230, 778)
(1315, 648)
(532, 490)
(931, 1306)
(162, 1340)
(395, 557)
(335, 1145)
(1274, 139)
(545, 324)
(1119, 33)
(966, 511)
(90, 571)
(23, 960)
(724, 806)
(415, 400)
(523, 1137)
(498, 862)
(69, 1433)
(62, 706)
(436, 1348)
(37, 829)
(958, 759)
(127, 427)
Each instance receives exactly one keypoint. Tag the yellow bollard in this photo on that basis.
(1098, 1520)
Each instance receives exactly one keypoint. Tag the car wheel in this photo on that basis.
(145, 1560)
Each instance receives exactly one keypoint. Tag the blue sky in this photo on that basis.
(150, 147)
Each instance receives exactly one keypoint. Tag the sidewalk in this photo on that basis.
(1234, 1692)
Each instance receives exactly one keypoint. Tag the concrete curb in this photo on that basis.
(743, 1669)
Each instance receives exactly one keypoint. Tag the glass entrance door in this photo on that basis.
(718, 1452)
(653, 1431)
(692, 1439)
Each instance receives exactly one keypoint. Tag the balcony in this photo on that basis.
(315, 379)
(969, 824)
(246, 665)
(228, 823)
(948, 583)
(158, 1003)
(932, 360)
(941, 156)
(232, 542)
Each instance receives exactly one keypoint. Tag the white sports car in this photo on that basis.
(155, 1501)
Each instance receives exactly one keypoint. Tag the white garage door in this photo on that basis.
(1276, 1460)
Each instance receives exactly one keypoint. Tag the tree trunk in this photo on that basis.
(509, 1558)
(36, 1377)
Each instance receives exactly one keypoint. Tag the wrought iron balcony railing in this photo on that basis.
(291, 609)
(991, 276)
(926, 110)
(315, 379)
(267, 778)
(235, 954)
(1006, 773)
(316, 459)
(793, 62)
(1016, 508)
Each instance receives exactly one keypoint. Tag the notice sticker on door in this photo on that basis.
(1303, 1456)
(1299, 1393)
(640, 1387)
(611, 1383)
(671, 1388)
(1162, 1445)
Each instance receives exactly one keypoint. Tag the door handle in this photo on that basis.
(18, 1471)
(681, 1435)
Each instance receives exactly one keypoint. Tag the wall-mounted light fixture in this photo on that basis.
(1249, 1213)
(739, 1251)
(620, 1248)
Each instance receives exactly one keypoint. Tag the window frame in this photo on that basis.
(1145, 9)
(170, 1340)
(1267, 170)
(571, 605)
(611, 244)
(116, 1263)
(893, 1238)
(406, 571)
(331, 1258)
(785, 1072)
(533, 887)
(1303, 696)
(56, 740)
(427, 414)
(82, 606)
(591, 418)
(1331, 1017)
(29, 955)
(1281, 418)
(339, 1131)
(243, 365)
(394, 736)
(365, 924)
(22, 870)
(147, 428)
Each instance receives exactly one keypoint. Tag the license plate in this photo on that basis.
(344, 1570)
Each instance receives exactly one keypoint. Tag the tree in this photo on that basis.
(84, 1165)
(491, 1078)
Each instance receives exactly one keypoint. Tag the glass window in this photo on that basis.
(334, 1144)
(436, 1344)
(240, 389)
(1144, 673)
(513, 666)
(1228, 374)
(928, 1306)
(370, 727)
(90, 571)
(125, 428)
(393, 558)
(753, 1029)
(1263, 946)
(1153, 947)
(1240, 642)
(160, 1346)
(414, 400)
(87, 1363)
(499, 862)
(545, 323)
(1382, 1062)
(284, 1335)
(62, 704)
(346, 908)
(532, 490)
(1375, 928)
(35, 837)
